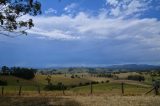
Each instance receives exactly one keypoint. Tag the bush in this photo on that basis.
(3, 83)
(95, 82)
(59, 86)
(73, 86)
(80, 84)
(87, 83)
(107, 81)
(105, 75)
(136, 77)
(102, 81)
(72, 76)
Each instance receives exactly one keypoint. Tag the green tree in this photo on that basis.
(25, 73)
(10, 13)
(49, 80)
(5, 70)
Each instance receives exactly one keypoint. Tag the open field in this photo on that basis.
(114, 86)
(102, 87)
(107, 92)
(112, 89)
(41, 79)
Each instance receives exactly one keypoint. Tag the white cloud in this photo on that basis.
(82, 26)
(54, 34)
(112, 2)
(132, 37)
(50, 10)
(70, 8)
(127, 7)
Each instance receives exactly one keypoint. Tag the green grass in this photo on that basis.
(31, 85)
(24, 88)
(112, 88)
(60, 78)
(11, 80)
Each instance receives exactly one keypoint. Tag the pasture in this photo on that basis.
(104, 91)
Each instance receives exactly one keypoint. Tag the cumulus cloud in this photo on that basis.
(127, 7)
(128, 32)
(85, 26)
(112, 2)
(50, 10)
(82, 26)
(70, 8)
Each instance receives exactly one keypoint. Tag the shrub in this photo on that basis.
(87, 83)
(105, 75)
(73, 86)
(72, 76)
(95, 82)
(3, 83)
(59, 86)
(102, 81)
(107, 81)
(136, 77)
(80, 84)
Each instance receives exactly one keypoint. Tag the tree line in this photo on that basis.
(25, 73)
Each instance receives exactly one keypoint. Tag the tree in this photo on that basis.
(49, 79)
(10, 13)
(5, 70)
(24, 73)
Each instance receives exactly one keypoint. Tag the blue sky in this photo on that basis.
(88, 33)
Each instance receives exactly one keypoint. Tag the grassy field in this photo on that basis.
(39, 80)
(11, 80)
(111, 88)
(104, 93)
(60, 78)
(81, 101)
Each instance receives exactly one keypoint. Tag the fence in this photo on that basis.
(18, 90)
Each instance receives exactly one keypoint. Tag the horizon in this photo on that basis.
(85, 66)
(83, 33)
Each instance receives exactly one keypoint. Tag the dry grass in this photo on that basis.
(118, 100)
(90, 100)
(37, 101)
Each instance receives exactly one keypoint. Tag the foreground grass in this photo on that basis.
(118, 100)
(81, 101)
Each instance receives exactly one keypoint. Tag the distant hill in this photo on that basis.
(135, 67)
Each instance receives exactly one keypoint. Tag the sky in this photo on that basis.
(87, 33)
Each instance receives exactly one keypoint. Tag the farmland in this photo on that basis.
(105, 89)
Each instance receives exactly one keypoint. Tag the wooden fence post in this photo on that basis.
(2, 90)
(122, 87)
(63, 89)
(20, 88)
(91, 87)
(39, 90)
(156, 90)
